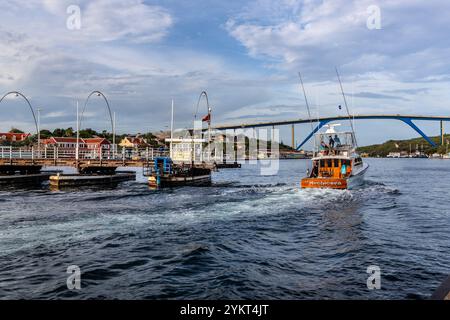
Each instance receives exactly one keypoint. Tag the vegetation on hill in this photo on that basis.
(416, 144)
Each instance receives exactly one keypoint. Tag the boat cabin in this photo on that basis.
(332, 143)
(334, 154)
(163, 165)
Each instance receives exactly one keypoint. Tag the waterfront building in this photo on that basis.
(133, 142)
(13, 137)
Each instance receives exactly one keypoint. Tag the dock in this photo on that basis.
(234, 165)
(25, 179)
(80, 180)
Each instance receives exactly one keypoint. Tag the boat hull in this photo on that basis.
(179, 181)
(336, 183)
(324, 183)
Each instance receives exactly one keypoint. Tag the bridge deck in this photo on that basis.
(329, 119)
(74, 163)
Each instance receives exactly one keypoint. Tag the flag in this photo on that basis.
(206, 118)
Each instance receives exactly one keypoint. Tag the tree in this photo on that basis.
(45, 134)
(59, 132)
(69, 132)
(88, 133)
(15, 130)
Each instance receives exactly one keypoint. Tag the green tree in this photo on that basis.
(15, 130)
(59, 132)
(45, 134)
(69, 132)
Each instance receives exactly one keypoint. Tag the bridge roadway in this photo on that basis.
(72, 162)
(32, 159)
(320, 122)
(330, 119)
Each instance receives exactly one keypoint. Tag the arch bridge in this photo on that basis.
(320, 122)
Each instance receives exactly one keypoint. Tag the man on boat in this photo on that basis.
(337, 141)
(323, 145)
(343, 170)
(331, 142)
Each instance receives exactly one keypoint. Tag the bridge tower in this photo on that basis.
(293, 136)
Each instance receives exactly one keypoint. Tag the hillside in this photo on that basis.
(418, 144)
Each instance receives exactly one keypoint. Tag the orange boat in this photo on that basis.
(335, 164)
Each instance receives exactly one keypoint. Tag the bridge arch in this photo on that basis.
(99, 94)
(405, 119)
(203, 94)
(408, 119)
(17, 93)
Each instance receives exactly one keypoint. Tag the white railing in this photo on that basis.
(55, 153)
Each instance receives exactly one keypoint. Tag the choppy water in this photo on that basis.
(248, 236)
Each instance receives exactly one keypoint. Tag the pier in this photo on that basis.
(23, 166)
(78, 180)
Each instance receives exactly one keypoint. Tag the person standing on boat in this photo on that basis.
(323, 145)
(337, 141)
(343, 170)
(331, 142)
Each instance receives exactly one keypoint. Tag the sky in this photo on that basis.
(392, 57)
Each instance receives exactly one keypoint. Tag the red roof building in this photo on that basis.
(14, 137)
(91, 144)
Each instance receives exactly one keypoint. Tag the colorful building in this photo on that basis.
(133, 143)
(14, 137)
(90, 145)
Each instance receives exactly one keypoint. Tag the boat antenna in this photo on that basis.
(171, 131)
(306, 101)
(346, 105)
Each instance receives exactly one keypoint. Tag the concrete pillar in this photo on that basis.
(293, 136)
(442, 133)
(235, 147)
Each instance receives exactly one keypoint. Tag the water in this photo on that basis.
(248, 236)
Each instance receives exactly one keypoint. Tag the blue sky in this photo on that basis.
(246, 54)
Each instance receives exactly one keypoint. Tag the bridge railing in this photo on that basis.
(55, 153)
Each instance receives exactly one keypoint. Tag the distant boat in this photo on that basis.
(166, 174)
(335, 165)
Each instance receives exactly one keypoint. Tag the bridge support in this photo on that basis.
(412, 125)
(293, 136)
(405, 120)
(319, 126)
(442, 133)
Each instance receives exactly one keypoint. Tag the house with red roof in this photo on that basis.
(94, 146)
(14, 137)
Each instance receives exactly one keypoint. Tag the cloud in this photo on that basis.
(315, 36)
(101, 20)
(132, 20)
(371, 95)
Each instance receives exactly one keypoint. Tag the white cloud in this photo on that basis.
(107, 20)
(101, 20)
(317, 35)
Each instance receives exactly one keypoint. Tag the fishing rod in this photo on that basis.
(346, 105)
(306, 101)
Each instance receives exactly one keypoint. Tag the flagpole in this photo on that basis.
(171, 132)
(78, 134)
(114, 135)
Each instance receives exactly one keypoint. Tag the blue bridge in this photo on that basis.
(319, 123)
